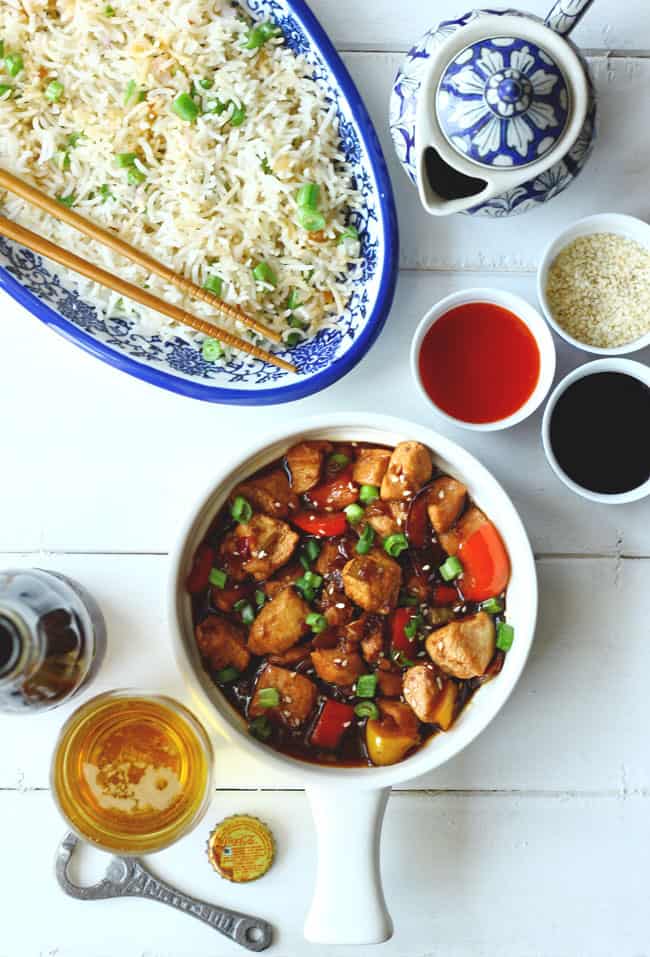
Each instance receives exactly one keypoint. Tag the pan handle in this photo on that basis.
(348, 906)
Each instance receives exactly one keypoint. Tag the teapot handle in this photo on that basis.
(565, 14)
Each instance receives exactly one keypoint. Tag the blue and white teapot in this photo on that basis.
(494, 113)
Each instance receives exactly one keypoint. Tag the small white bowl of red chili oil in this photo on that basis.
(484, 359)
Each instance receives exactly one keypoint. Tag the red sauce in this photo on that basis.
(479, 362)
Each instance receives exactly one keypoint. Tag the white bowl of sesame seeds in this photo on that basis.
(593, 284)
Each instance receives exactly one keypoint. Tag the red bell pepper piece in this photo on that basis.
(199, 577)
(486, 566)
(321, 524)
(337, 493)
(400, 641)
(444, 595)
(333, 721)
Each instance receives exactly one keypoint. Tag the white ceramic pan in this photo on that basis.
(348, 904)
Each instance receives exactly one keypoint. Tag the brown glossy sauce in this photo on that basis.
(423, 561)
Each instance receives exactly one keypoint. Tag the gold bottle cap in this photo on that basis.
(241, 848)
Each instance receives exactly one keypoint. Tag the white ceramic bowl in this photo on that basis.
(627, 366)
(348, 904)
(628, 226)
(528, 315)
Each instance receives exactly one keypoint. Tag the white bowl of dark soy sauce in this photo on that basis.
(596, 431)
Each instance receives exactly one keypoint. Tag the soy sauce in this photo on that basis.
(600, 432)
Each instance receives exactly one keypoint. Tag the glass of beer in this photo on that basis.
(132, 772)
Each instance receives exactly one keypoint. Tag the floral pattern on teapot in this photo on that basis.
(403, 113)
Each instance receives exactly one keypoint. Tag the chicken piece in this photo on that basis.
(270, 544)
(222, 643)
(389, 678)
(233, 552)
(297, 696)
(370, 466)
(280, 624)
(336, 666)
(410, 468)
(373, 581)
(401, 714)
(470, 522)
(332, 557)
(445, 502)
(387, 518)
(418, 588)
(285, 577)
(464, 648)
(422, 688)
(336, 608)
(269, 494)
(293, 656)
(368, 632)
(372, 645)
(305, 462)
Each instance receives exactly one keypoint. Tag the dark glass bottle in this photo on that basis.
(52, 639)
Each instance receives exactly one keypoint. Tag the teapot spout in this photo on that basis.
(565, 14)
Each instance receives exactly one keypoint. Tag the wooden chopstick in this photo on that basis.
(52, 206)
(45, 248)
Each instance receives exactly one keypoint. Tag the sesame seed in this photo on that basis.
(346, 724)
(440, 645)
(426, 568)
(439, 682)
(441, 493)
(340, 604)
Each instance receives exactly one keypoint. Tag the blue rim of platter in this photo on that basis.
(388, 237)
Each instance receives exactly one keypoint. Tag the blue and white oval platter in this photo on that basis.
(178, 365)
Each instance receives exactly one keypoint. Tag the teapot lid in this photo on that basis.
(503, 102)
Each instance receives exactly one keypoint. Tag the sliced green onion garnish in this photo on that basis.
(185, 107)
(350, 232)
(395, 545)
(354, 513)
(296, 323)
(367, 686)
(293, 302)
(270, 30)
(214, 284)
(400, 659)
(62, 160)
(68, 200)
(5, 88)
(226, 675)
(263, 273)
(337, 461)
(367, 709)
(109, 11)
(206, 84)
(311, 549)
(105, 192)
(241, 510)
(308, 195)
(406, 600)
(368, 493)
(413, 625)
(311, 220)
(246, 611)
(316, 622)
(216, 107)
(135, 176)
(14, 64)
(260, 728)
(451, 569)
(54, 91)
(366, 541)
(218, 578)
(238, 115)
(493, 606)
(132, 92)
(211, 350)
(124, 160)
(260, 597)
(505, 636)
(268, 697)
(266, 169)
(74, 138)
(294, 339)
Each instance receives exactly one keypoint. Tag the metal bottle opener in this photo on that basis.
(128, 877)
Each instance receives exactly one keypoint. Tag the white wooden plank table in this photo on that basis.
(534, 841)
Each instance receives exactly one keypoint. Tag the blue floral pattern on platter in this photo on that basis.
(178, 365)
(403, 118)
(503, 102)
